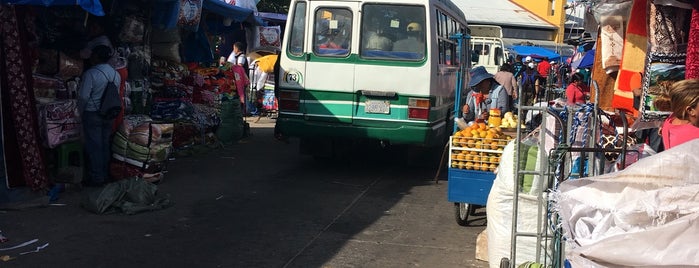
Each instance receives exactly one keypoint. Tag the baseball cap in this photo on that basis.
(528, 59)
(531, 65)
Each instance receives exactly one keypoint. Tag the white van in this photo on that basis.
(487, 47)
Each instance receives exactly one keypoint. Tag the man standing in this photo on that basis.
(543, 68)
(97, 129)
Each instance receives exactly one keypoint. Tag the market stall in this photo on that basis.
(173, 93)
(590, 164)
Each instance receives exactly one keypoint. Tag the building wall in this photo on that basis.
(550, 10)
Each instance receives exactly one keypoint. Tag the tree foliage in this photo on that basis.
(273, 6)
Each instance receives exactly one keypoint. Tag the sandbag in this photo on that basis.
(645, 215)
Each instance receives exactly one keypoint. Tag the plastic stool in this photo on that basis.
(70, 154)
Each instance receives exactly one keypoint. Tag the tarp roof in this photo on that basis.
(535, 52)
(92, 6)
(586, 61)
(234, 12)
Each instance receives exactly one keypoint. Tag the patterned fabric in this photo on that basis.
(692, 71)
(666, 29)
(16, 80)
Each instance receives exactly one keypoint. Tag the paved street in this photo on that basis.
(259, 203)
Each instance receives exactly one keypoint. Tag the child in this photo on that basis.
(683, 124)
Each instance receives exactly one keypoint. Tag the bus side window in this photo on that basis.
(333, 32)
(298, 27)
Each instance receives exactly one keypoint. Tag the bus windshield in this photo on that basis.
(393, 32)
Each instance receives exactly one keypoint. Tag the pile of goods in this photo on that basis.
(509, 120)
(477, 147)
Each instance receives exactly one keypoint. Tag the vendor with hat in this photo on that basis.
(486, 94)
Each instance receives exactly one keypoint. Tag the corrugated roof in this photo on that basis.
(500, 12)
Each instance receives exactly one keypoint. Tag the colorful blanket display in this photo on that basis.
(635, 44)
(59, 122)
(141, 148)
(668, 28)
(191, 96)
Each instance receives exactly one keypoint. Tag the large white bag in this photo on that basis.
(499, 214)
(645, 215)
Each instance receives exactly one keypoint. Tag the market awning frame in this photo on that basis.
(234, 12)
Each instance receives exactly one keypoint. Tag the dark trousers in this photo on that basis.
(97, 132)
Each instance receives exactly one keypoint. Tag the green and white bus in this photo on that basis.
(369, 70)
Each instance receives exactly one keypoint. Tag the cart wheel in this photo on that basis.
(462, 211)
(504, 263)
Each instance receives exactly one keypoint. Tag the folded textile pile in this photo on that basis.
(141, 148)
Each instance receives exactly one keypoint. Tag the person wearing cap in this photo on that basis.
(486, 94)
(529, 85)
(414, 40)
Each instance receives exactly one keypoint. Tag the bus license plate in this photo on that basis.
(377, 107)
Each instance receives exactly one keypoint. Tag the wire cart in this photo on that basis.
(560, 166)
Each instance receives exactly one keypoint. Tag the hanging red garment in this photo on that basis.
(124, 74)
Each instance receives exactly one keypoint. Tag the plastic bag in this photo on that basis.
(645, 215)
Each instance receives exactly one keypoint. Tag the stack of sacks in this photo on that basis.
(141, 148)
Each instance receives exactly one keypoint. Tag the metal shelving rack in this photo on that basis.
(549, 242)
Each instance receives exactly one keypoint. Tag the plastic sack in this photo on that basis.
(645, 215)
(499, 214)
(126, 196)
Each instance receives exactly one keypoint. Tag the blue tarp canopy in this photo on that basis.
(587, 60)
(92, 6)
(230, 11)
(535, 52)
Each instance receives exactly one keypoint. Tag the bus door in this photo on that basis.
(329, 61)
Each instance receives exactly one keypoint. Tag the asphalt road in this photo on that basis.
(259, 203)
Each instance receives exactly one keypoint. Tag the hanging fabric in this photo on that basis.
(190, 14)
(632, 63)
(668, 30)
(16, 82)
(692, 71)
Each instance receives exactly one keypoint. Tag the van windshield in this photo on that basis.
(393, 32)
